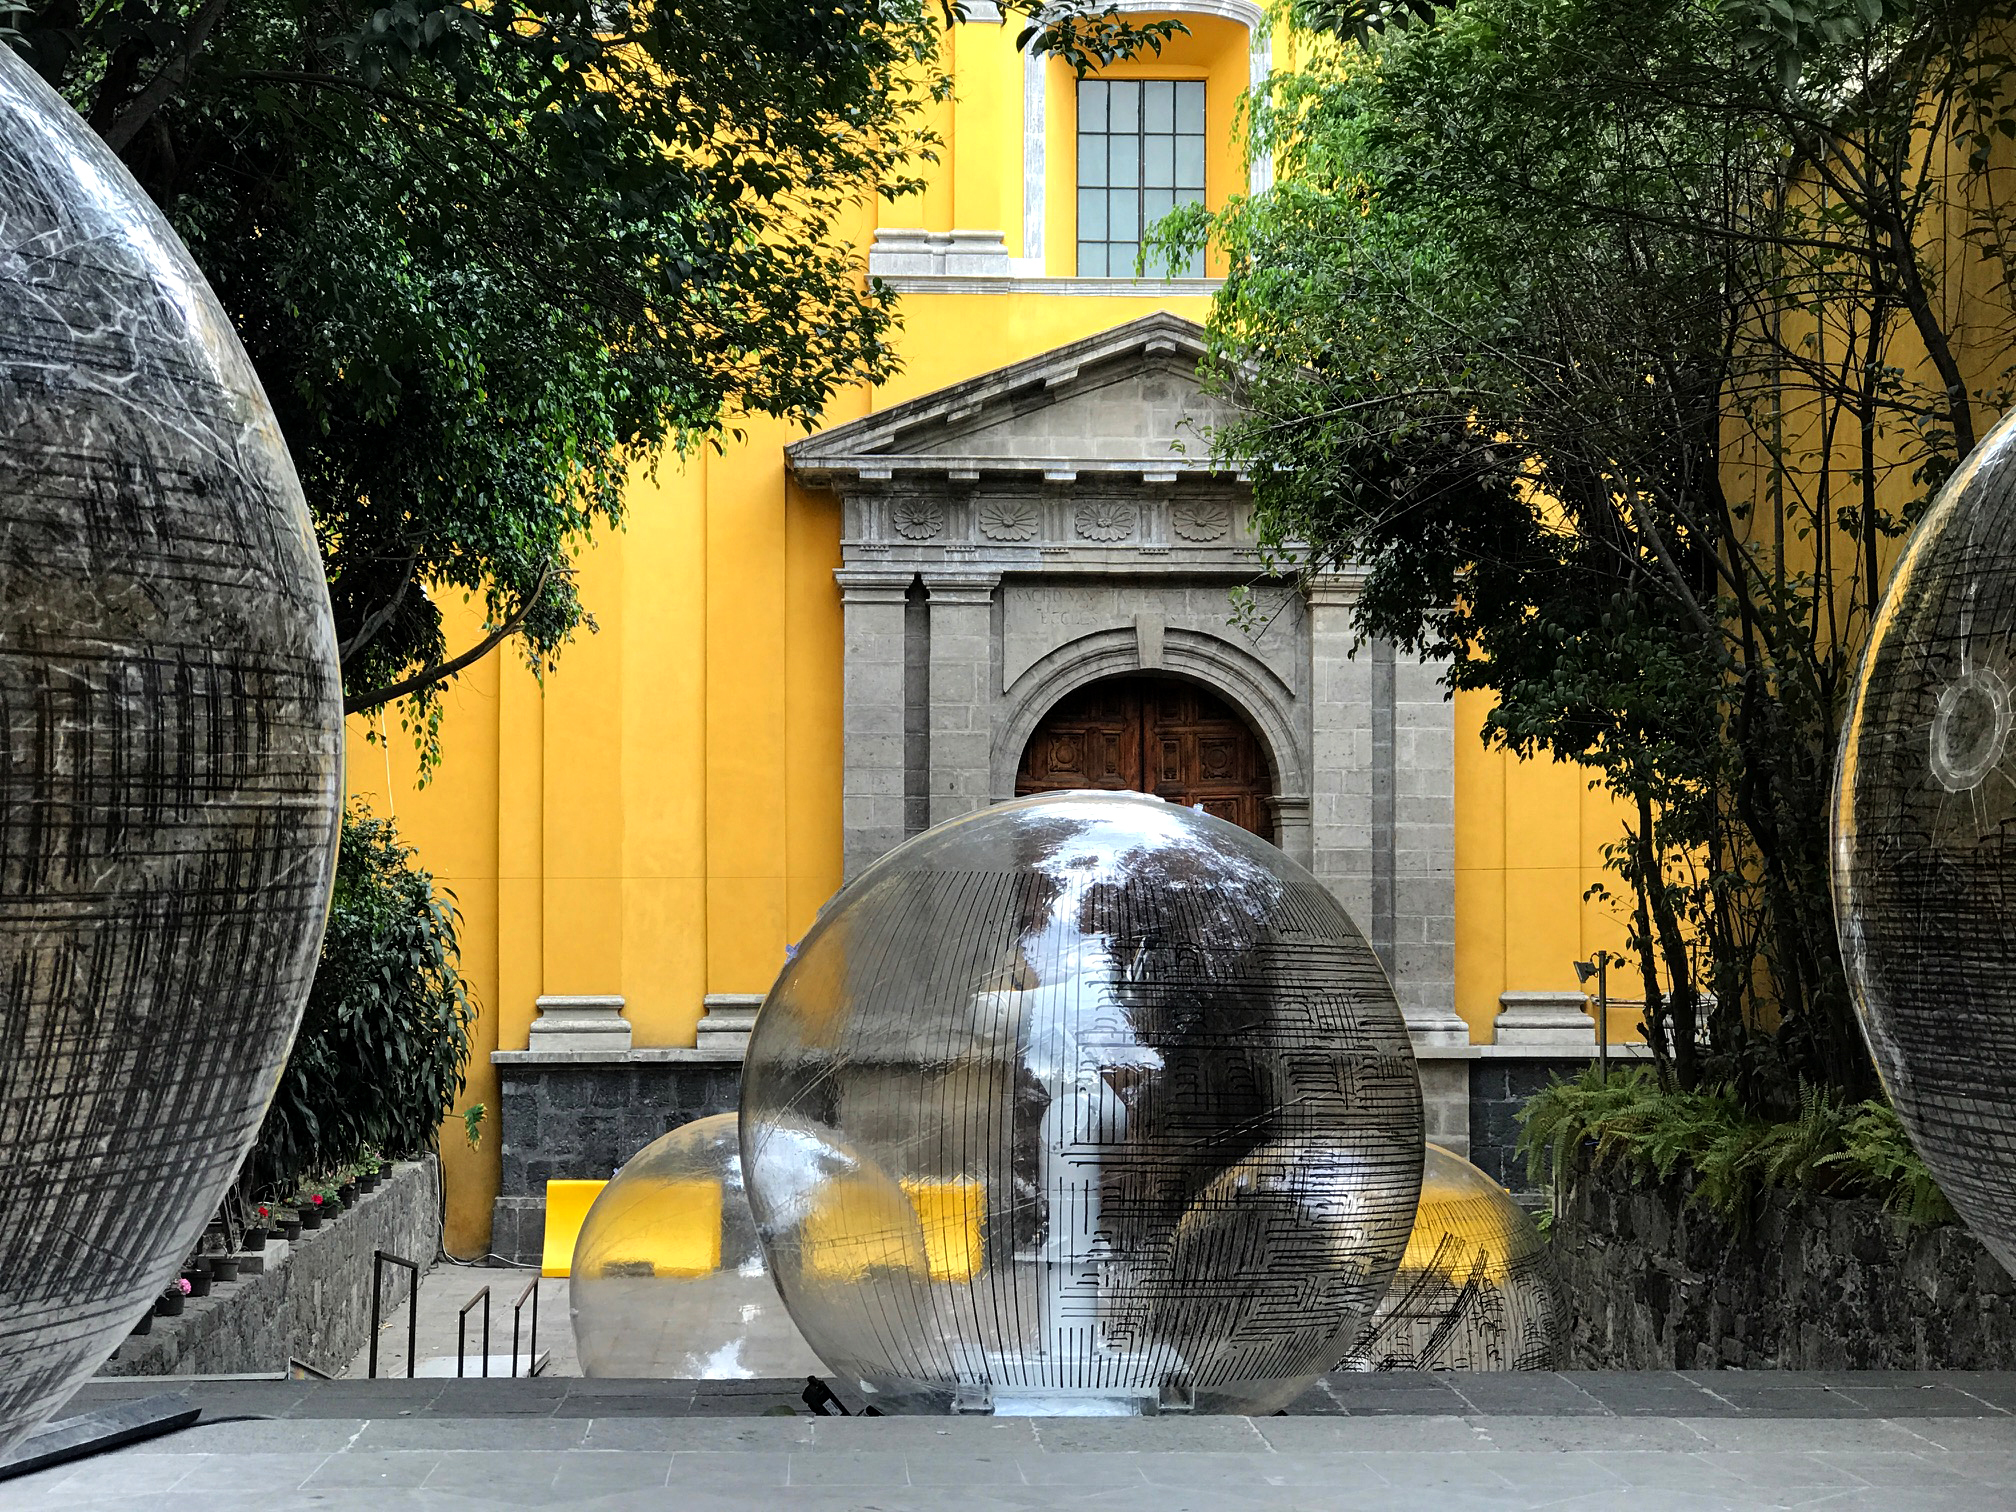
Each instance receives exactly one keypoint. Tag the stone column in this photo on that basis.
(962, 659)
(1424, 852)
(871, 787)
(1340, 751)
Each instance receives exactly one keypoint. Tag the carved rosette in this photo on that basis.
(1200, 519)
(1008, 519)
(917, 519)
(1105, 519)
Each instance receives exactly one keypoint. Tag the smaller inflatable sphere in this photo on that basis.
(1084, 1103)
(669, 1282)
(1476, 1289)
(1924, 838)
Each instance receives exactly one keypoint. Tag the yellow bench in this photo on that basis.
(567, 1204)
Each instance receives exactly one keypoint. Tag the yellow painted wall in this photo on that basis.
(662, 816)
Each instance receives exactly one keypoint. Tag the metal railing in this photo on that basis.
(379, 1260)
(532, 1345)
(462, 1328)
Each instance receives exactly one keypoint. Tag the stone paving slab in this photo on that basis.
(1571, 1441)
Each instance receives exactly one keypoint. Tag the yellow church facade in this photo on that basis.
(1010, 569)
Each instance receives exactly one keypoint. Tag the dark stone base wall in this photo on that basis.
(313, 1300)
(1498, 1090)
(1814, 1283)
(573, 1122)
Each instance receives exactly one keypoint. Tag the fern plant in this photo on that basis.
(1733, 1155)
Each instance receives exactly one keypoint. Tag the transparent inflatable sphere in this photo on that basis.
(1082, 1103)
(171, 752)
(1925, 841)
(1476, 1289)
(669, 1282)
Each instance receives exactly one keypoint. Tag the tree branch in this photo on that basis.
(126, 125)
(359, 703)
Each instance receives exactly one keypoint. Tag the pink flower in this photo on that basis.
(182, 1285)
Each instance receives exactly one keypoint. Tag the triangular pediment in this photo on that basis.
(1125, 401)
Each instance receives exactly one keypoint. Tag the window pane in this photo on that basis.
(1091, 259)
(1092, 160)
(1124, 161)
(1123, 215)
(1092, 106)
(1190, 162)
(1158, 161)
(1196, 266)
(1091, 215)
(1190, 107)
(1120, 259)
(1158, 105)
(1189, 196)
(1126, 99)
(1155, 203)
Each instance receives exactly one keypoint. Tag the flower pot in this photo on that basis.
(255, 1240)
(367, 1181)
(223, 1268)
(311, 1217)
(385, 1171)
(168, 1305)
(290, 1229)
(146, 1323)
(199, 1284)
(347, 1194)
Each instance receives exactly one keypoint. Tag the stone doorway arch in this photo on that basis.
(1153, 734)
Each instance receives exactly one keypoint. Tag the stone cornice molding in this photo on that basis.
(873, 585)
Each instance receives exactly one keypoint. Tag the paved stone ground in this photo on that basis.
(1648, 1443)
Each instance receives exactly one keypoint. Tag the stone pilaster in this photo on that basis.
(1340, 803)
(962, 659)
(1424, 851)
(871, 790)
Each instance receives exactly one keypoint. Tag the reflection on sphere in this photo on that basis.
(1476, 1289)
(1925, 841)
(1082, 1103)
(668, 1279)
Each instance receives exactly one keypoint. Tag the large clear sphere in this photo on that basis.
(669, 1281)
(1476, 1289)
(1082, 1103)
(171, 752)
(1925, 841)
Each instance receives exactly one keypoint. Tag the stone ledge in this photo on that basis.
(644, 1055)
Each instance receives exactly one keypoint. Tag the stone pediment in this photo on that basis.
(1127, 401)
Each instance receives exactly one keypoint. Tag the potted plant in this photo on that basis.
(384, 1170)
(196, 1277)
(312, 1210)
(145, 1325)
(347, 1194)
(287, 1225)
(367, 1178)
(254, 1237)
(169, 1303)
(223, 1268)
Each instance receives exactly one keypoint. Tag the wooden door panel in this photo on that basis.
(1152, 735)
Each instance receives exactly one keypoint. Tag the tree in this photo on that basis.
(1538, 281)
(384, 1042)
(489, 259)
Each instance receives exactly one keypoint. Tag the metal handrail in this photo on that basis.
(532, 1346)
(461, 1327)
(379, 1260)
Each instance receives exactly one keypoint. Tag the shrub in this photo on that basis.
(1732, 1155)
(384, 1042)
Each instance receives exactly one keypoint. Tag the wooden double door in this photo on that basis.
(1152, 735)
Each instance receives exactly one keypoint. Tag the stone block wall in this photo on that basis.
(1812, 1283)
(1499, 1088)
(312, 1302)
(571, 1121)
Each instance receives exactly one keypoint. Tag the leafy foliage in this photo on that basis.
(489, 259)
(1731, 1155)
(1583, 329)
(385, 1039)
